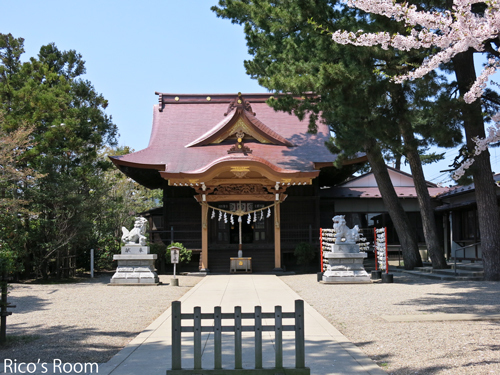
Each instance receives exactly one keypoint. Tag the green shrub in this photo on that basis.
(304, 253)
(184, 254)
(7, 262)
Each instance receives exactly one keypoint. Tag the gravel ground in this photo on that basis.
(436, 347)
(83, 322)
(90, 321)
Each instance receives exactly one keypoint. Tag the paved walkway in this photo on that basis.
(327, 350)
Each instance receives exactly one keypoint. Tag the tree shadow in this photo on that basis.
(28, 304)
(69, 343)
(476, 297)
(309, 145)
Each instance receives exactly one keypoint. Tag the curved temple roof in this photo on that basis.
(192, 132)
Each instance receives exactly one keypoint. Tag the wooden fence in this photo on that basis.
(238, 328)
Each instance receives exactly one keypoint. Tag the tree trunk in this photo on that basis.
(434, 247)
(487, 204)
(406, 234)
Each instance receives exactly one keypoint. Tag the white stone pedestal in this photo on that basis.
(135, 266)
(345, 265)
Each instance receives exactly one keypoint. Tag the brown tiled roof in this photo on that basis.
(183, 121)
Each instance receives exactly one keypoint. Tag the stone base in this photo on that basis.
(135, 270)
(349, 248)
(345, 267)
(134, 249)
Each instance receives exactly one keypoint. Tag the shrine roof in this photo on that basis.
(185, 130)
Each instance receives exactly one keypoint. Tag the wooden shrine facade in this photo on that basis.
(254, 175)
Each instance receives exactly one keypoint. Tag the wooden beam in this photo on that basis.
(277, 237)
(204, 237)
(223, 198)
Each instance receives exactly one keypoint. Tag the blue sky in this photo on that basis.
(134, 48)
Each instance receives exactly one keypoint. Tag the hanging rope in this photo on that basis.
(243, 213)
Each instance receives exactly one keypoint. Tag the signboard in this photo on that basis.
(174, 255)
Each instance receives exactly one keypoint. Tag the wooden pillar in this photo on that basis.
(277, 237)
(204, 237)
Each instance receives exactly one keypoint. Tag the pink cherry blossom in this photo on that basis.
(452, 31)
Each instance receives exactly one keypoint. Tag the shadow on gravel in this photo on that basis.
(474, 298)
(363, 343)
(419, 370)
(27, 304)
(67, 343)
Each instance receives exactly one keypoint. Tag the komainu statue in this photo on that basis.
(137, 235)
(343, 234)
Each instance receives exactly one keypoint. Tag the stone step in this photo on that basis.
(478, 266)
(460, 272)
(444, 277)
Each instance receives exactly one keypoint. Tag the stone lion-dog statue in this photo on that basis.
(136, 236)
(343, 232)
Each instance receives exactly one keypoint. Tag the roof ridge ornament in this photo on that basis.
(160, 102)
(239, 102)
(239, 146)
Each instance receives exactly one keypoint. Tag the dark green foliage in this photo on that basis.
(293, 55)
(68, 128)
(351, 86)
(304, 253)
(184, 254)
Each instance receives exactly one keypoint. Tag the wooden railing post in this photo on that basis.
(217, 337)
(238, 359)
(278, 337)
(197, 337)
(176, 335)
(300, 354)
(258, 337)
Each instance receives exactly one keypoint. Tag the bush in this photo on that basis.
(7, 262)
(304, 253)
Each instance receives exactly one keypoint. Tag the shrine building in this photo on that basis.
(236, 174)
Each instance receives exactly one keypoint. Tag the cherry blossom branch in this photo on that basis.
(452, 31)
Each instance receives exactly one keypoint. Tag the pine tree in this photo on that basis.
(351, 90)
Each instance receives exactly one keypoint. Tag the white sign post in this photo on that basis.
(174, 259)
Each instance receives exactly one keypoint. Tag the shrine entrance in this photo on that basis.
(253, 234)
(224, 231)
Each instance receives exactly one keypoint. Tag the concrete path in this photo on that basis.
(327, 350)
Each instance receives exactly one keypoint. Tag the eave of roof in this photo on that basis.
(372, 192)
(267, 169)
